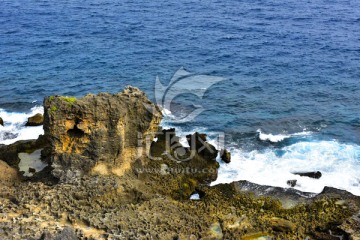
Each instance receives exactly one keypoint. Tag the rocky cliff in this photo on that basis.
(97, 132)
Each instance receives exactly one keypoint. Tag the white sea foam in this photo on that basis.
(14, 126)
(166, 112)
(279, 137)
(338, 162)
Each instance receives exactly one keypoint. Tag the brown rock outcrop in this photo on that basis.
(98, 132)
(36, 120)
(1, 122)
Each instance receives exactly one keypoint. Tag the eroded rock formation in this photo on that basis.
(97, 132)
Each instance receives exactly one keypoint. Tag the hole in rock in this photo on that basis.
(75, 132)
(31, 163)
(197, 195)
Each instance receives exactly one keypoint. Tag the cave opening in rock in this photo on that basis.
(75, 132)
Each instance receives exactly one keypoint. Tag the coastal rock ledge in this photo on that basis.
(97, 132)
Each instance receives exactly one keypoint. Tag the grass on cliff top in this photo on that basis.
(70, 100)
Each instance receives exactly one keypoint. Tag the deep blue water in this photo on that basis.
(291, 66)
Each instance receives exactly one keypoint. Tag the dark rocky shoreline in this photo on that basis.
(103, 181)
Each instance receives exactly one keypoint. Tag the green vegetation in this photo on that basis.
(70, 100)
(53, 108)
(51, 98)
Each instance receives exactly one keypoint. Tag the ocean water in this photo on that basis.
(290, 101)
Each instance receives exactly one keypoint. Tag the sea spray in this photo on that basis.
(339, 164)
(14, 128)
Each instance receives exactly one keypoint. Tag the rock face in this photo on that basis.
(98, 132)
(1, 122)
(36, 120)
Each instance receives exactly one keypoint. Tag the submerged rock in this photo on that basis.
(100, 131)
(225, 156)
(315, 175)
(36, 120)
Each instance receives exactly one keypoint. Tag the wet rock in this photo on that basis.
(275, 192)
(291, 183)
(1, 122)
(105, 129)
(282, 225)
(225, 155)
(334, 192)
(32, 170)
(315, 175)
(36, 120)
